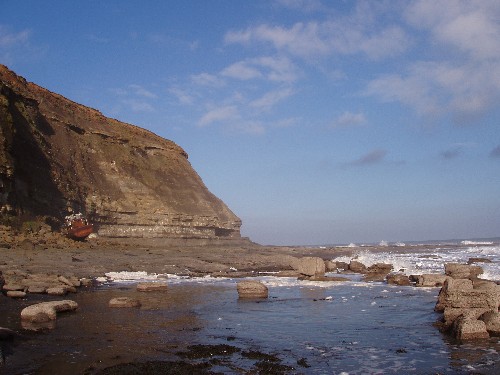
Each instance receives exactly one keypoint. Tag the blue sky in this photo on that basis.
(316, 121)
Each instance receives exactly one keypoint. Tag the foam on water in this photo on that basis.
(423, 260)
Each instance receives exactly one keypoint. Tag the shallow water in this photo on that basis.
(313, 328)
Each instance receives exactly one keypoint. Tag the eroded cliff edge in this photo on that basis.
(57, 155)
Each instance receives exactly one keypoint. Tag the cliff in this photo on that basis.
(57, 156)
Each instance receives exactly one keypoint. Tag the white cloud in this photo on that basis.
(241, 70)
(206, 79)
(271, 98)
(138, 105)
(470, 26)
(141, 91)
(248, 127)
(218, 114)
(302, 5)
(301, 39)
(432, 88)
(8, 38)
(346, 35)
(182, 95)
(349, 119)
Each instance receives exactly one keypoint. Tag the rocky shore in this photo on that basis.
(45, 263)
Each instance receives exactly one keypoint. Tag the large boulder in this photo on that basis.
(311, 266)
(462, 271)
(377, 272)
(357, 267)
(431, 280)
(124, 302)
(335, 266)
(398, 279)
(46, 311)
(467, 327)
(492, 321)
(152, 287)
(461, 297)
(252, 289)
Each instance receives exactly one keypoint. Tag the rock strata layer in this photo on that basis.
(57, 156)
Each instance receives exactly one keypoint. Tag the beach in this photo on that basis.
(200, 326)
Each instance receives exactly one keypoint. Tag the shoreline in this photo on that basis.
(93, 258)
(95, 321)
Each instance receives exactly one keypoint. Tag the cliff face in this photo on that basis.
(57, 156)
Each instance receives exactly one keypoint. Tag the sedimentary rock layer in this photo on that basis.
(58, 156)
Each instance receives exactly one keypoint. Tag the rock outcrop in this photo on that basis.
(252, 289)
(469, 305)
(57, 156)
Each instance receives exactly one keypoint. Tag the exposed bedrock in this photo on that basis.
(58, 156)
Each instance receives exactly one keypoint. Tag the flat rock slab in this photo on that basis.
(46, 311)
(16, 294)
(124, 302)
(252, 289)
(152, 287)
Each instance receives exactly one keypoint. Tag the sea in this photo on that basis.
(304, 327)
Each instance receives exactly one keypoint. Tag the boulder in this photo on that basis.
(467, 327)
(124, 302)
(46, 311)
(462, 271)
(152, 287)
(252, 289)
(478, 260)
(431, 280)
(2, 280)
(492, 321)
(377, 272)
(12, 287)
(398, 279)
(85, 282)
(64, 280)
(335, 266)
(16, 294)
(357, 267)
(311, 266)
(463, 297)
(57, 291)
(40, 289)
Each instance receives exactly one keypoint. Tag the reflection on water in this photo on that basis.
(346, 327)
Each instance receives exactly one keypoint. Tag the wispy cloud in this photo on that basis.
(349, 119)
(219, 114)
(141, 91)
(241, 70)
(135, 97)
(271, 98)
(272, 68)
(465, 80)
(9, 38)
(372, 157)
(302, 5)
(346, 35)
(183, 96)
(138, 105)
(206, 79)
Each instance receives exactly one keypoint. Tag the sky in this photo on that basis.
(316, 122)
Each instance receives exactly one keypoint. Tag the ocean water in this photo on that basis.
(312, 327)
